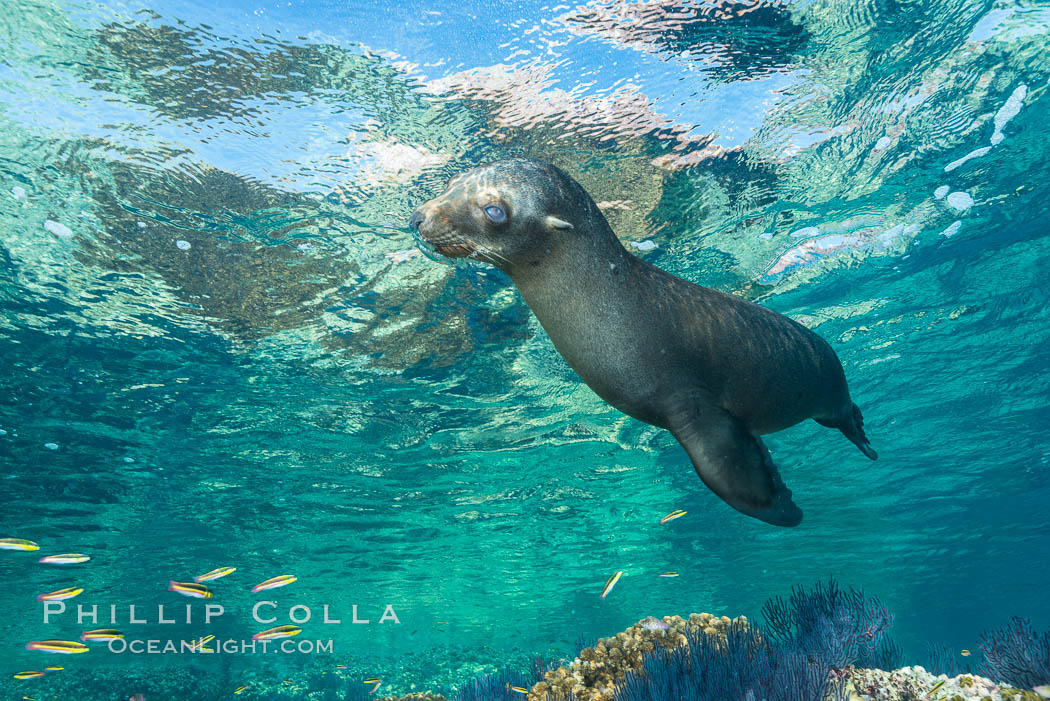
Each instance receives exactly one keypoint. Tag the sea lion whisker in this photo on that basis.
(494, 254)
(478, 248)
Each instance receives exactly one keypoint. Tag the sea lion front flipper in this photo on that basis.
(735, 464)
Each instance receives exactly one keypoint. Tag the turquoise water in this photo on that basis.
(222, 348)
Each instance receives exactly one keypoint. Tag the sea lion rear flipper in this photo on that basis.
(736, 466)
(852, 426)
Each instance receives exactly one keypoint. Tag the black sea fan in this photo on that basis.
(889, 656)
(1016, 654)
(494, 687)
(828, 622)
(743, 665)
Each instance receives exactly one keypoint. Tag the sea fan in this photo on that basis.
(497, 687)
(743, 665)
(1016, 654)
(889, 655)
(836, 625)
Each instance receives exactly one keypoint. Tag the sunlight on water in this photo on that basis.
(223, 346)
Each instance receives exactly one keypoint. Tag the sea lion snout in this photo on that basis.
(512, 214)
(436, 230)
(415, 220)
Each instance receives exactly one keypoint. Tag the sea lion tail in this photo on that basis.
(855, 432)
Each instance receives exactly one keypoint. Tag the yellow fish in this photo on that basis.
(60, 595)
(611, 583)
(199, 644)
(518, 689)
(278, 581)
(215, 574)
(667, 574)
(17, 544)
(28, 675)
(240, 689)
(936, 687)
(372, 680)
(53, 668)
(340, 666)
(102, 634)
(375, 680)
(964, 653)
(65, 647)
(197, 591)
(64, 559)
(278, 633)
(673, 515)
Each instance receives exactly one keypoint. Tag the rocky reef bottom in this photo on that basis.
(598, 672)
(904, 684)
(908, 683)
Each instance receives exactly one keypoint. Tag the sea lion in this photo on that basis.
(715, 370)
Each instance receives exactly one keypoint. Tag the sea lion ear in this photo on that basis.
(555, 223)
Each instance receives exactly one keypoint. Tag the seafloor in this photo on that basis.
(700, 658)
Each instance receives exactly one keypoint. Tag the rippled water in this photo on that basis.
(221, 346)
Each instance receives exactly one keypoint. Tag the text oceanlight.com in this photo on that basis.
(216, 647)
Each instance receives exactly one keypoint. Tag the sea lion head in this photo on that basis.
(511, 214)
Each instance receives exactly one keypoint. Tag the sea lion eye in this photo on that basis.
(495, 214)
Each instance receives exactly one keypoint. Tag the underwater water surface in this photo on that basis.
(222, 346)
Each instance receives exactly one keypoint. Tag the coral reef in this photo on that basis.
(910, 683)
(803, 653)
(595, 674)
